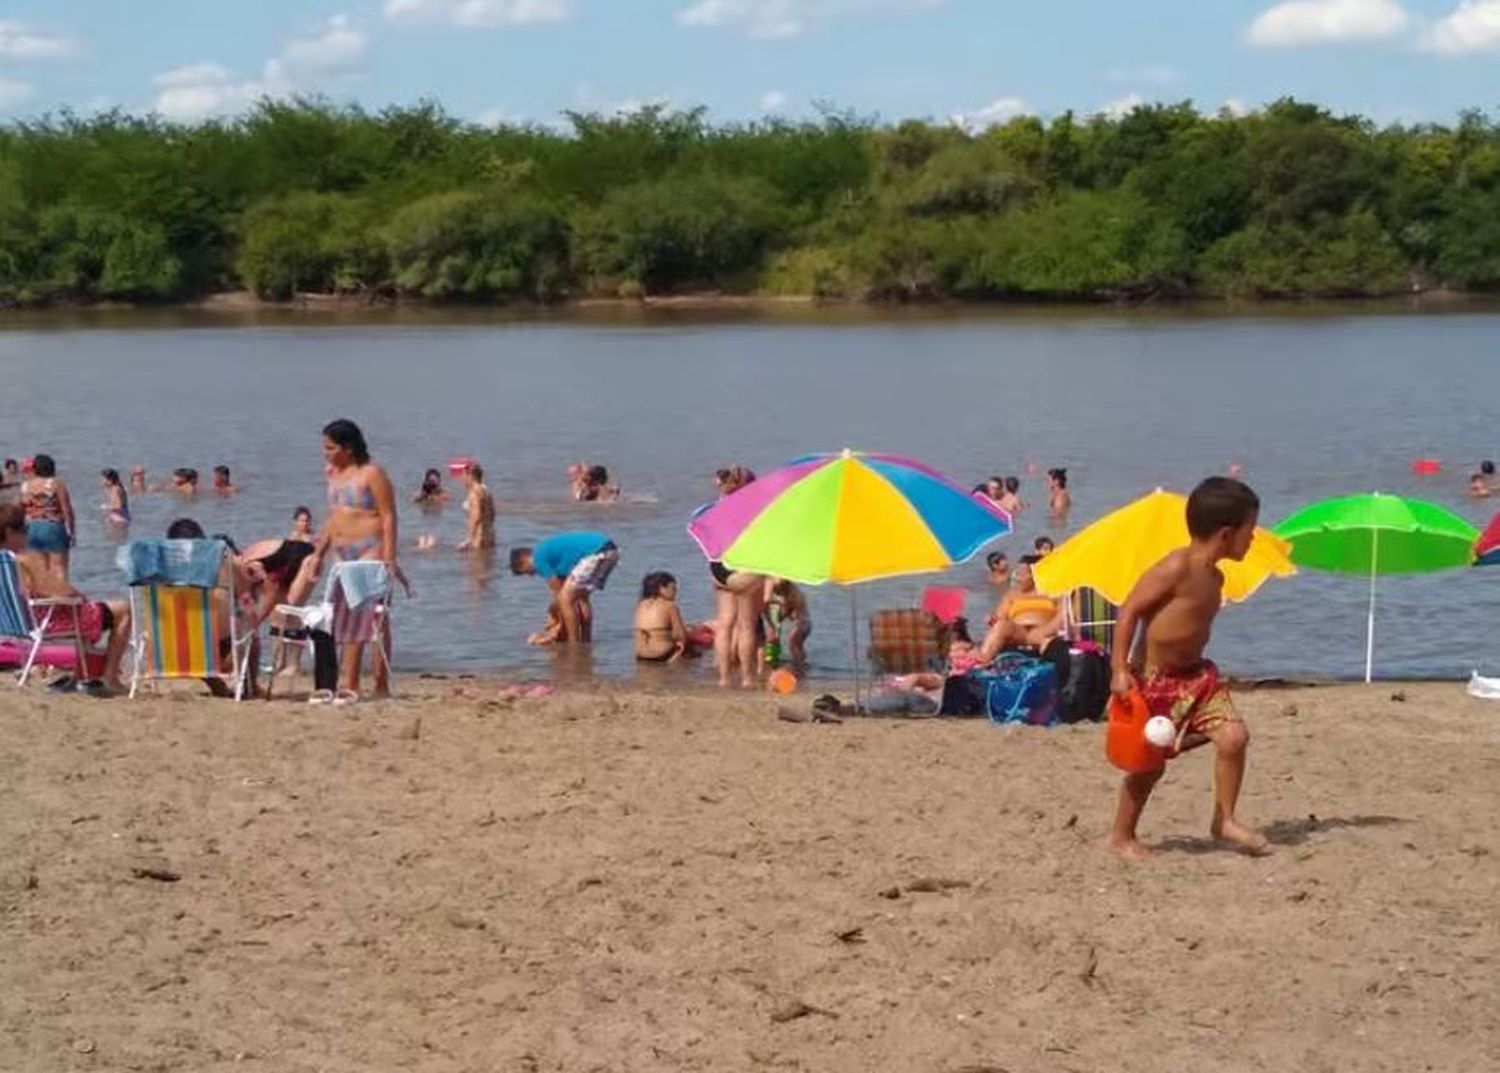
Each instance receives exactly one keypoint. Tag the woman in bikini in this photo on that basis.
(361, 525)
(1025, 617)
(660, 634)
(50, 525)
(479, 506)
(739, 602)
(116, 501)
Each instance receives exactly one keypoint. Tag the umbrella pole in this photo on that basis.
(1370, 623)
(854, 641)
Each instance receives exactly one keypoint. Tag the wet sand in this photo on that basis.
(613, 880)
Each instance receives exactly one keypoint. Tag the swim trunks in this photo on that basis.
(592, 572)
(1194, 698)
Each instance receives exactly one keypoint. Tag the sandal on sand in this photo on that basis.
(345, 697)
(320, 696)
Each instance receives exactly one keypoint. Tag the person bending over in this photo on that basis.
(575, 565)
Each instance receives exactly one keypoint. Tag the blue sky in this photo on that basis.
(983, 60)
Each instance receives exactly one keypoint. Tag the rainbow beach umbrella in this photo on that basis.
(847, 518)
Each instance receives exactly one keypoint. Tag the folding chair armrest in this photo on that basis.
(296, 611)
(58, 601)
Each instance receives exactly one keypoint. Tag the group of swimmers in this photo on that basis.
(1005, 493)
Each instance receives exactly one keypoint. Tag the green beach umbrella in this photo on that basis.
(1376, 534)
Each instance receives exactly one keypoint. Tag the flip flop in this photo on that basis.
(320, 696)
(344, 698)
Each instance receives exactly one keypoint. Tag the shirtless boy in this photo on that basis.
(1174, 605)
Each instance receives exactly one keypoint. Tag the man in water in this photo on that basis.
(575, 565)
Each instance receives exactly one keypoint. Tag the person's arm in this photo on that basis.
(65, 502)
(679, 632)
(476, 511)
(1150, 593)
(566, 611)
(385, 504)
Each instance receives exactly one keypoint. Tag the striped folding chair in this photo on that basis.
(1090, 617)
(24, 634)
(181, 631)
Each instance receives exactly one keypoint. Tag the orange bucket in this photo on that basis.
(1125, 740)
(782, 681)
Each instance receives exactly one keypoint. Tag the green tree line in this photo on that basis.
(411, 203)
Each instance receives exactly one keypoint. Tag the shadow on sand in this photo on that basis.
(1280, 832)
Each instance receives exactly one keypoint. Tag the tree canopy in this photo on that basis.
(410, 203)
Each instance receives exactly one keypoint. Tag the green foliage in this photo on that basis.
(412, 203)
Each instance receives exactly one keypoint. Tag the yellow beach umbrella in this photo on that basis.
(1110, 555)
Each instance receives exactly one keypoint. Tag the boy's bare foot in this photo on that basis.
(1247, 839)
(1127, 848)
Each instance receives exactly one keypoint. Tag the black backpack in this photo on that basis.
(1085, 690)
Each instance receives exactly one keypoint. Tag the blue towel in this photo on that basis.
(172, 562)
(15, 612)
(362, 581)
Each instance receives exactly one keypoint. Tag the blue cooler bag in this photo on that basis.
(1023, 690)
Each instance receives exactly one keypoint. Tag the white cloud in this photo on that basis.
(1328, 22)
(480, 13)
(21, 44)
(1236, 107)
(1474, 26)
(1121, 107)
(1001, 110)
(336, 47)
(773, 101)
(758, 18)
(200, 90)
(773, 19)
(13, 93)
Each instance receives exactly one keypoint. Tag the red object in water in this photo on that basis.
(1426, 466)
(459, 466)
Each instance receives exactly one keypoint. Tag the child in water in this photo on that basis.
(302, 526)
(785, 604)
(660, 634)
(1174, 605)
(116, 501)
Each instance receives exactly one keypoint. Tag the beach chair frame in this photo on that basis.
(145, 670)
(381, 612)
(1074, 626)
(34, 631)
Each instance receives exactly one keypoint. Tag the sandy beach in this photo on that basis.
(625, 880)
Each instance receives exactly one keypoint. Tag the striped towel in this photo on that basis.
(15, 612)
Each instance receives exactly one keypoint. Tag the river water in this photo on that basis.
(1312, 403)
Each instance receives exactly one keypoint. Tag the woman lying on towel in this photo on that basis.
(1025, 618)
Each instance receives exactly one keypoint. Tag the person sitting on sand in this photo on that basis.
(660, 634)
(222, 484)
(1059, 499)
(93, 618)
(432, 494)
(1173, 606)
(575, 565)
(785, 603)
(963, 657)
(479, 504)
(1025, 618)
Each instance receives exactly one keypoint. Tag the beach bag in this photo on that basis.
(965, 694)
(1022, 690)
(1085, 691)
